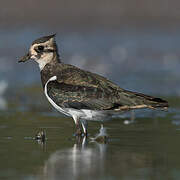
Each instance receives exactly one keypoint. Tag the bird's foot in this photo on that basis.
(101, 139)
(85, 134)
(78, 132)
(102, 136)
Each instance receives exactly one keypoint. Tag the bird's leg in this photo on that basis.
(78, 129)
(84, 124)
(78, 126)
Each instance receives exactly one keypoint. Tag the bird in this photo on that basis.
(80, 94)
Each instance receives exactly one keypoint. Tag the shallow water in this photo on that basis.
(146, 147)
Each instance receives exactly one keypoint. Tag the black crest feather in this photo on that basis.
(43, 39)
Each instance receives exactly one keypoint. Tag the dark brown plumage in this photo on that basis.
(79, 89)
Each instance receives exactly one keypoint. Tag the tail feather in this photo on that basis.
(153, 101)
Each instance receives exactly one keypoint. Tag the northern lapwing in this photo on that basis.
(81, 94)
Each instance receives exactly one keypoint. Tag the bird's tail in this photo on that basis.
(152, 102)
(134, 100)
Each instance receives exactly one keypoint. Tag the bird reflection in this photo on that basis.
(81, 161)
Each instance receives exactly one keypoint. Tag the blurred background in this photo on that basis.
(127, 41)
(136, 44)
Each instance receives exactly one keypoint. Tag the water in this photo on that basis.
(141, 145)
(146, 149)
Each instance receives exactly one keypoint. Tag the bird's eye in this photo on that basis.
(40, 48)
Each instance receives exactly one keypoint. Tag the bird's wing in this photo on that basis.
(79, 89)
(76, 88)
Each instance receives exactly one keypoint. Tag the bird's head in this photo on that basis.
(43, 50)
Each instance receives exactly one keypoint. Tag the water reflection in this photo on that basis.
(146, 149)
(82, 161)
(3, 88)
(134, 154)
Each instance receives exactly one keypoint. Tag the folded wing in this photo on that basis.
(75, 88)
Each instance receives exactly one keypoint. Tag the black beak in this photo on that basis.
(25, 58)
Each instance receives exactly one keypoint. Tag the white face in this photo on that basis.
(42, 53)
